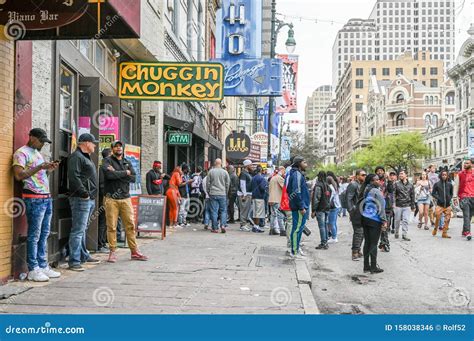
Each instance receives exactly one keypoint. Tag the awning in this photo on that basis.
(102, 19)
(215, 143)
(178, 124)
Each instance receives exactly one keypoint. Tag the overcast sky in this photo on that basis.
(315, 40)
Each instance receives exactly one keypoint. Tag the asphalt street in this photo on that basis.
(428, 275)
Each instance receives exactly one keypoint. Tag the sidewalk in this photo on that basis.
(192, 272)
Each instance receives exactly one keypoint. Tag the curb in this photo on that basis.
(304, 284)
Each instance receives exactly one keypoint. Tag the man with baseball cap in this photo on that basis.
(119, 173)
(30, 168)
(83, 190)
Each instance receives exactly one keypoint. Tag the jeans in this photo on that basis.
(218, 210)
(358, 235)
(183, 210)
(245, 202)
(332, 222)
(467, 206)
(402, 216)
(38, 215)
(299, 222)
(276, 218)
(207, 212)
(81, 211)
(288, 225)
(323, 232)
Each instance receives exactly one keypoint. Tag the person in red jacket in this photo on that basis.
(464, 195)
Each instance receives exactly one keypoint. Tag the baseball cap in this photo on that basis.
(86, 137)
(247, 163)
(116, 143)
(298, 159)
(40, 134)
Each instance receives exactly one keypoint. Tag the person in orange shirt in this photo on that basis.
(173, 196)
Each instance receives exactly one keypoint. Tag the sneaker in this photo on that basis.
(93, 261)
(283, 233)
(332, 241)
(223, 230)
(245, 229)
(366, 270)
(103, 250)
(257, 230)
(138, 256)
(322, 247)
(376, 270)
(468, 236)
(392, 231)
(301, 252)
(299, 255)
(37, 276)
(206, 227)
(397, 235)
(112, 257)
(274, 232)
(51, 273)
(77, 268)
(405, 238)
(214, 231)
(185, 225)
(427, 227)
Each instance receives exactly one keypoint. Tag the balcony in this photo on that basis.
(395, 130)
(397, 107)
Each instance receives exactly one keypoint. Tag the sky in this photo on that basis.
(315, 40)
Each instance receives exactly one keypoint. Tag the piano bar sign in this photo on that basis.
(197, 82)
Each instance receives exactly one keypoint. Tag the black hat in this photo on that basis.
(116, 143)
(40, 134)
(86, 137)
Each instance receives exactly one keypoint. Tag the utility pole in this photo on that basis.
(270, 99)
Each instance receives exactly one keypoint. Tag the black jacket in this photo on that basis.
(117, 182)
(234, 184)
(82, 175)
(320, 197)
(404, 194)
(443, 193)
(352, 195)
(152, 188)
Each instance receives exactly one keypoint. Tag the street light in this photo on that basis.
(290, 44)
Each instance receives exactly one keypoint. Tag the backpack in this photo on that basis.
(343, 198)
(325, 202)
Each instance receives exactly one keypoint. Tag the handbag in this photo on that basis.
(285, 200)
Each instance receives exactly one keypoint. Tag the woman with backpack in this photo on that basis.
(374, 220)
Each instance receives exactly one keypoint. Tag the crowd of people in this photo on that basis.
(378, 203)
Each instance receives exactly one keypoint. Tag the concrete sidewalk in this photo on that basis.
(192, 272)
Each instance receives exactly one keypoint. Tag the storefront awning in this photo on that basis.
(178, 124)
(94, 19)
(215, 143)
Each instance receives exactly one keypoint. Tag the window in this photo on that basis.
(386, 71)
(85, 46)
(415, 71)
(451, 143)
(433, 71)
(359, 84)
(111, 69)
(435, 121)
(127, 130)
(66, 98)
(100, 58)
(359, 106)
(433, 83)
(423, 71)
(374, 71)
(399, 98)
(359, 71)
(434, 149)
(427, 121)
(445, 146)
(449, 100)
(399, 71)
(400, 120)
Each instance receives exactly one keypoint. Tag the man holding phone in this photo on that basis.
(30, 168)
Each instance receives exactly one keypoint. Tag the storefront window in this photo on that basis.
(66, 99)
(100, 58)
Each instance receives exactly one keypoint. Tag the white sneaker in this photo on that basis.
(332, 241)
(301, 252)
(51, 273)
(300, 255)
(37, 275)
(245, 229)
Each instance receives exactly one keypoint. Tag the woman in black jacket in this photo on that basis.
(374, 220)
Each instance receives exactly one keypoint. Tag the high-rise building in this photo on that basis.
(396, 26)
(352, 92)
(316, 105)
(326, 134)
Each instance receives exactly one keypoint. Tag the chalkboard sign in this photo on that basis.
(151, 214)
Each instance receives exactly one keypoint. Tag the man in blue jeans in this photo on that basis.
(30, 168)
(217, 185)
(83, 190)
(298, 194)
